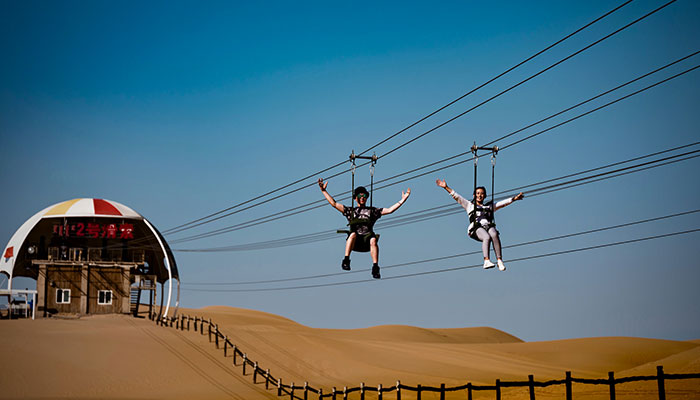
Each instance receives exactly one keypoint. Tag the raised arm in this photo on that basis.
(466, 204)
(506, 202)
(404, 196)
(331, 200)
(443, 184)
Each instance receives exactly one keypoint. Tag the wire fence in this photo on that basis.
(306, 392)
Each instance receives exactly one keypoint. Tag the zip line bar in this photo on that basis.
(354, 156)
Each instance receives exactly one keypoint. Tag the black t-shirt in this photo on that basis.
(362, 219)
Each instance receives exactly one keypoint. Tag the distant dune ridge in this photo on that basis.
(121, 357)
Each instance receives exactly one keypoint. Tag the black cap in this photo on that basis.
(358, 190)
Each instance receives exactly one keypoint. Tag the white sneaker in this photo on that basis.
(488, 264)
(501, 266)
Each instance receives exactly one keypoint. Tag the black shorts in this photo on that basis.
(362, 242)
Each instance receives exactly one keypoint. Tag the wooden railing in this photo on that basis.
(185, 322)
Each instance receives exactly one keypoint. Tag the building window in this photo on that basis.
(62, 296)
(104, 297)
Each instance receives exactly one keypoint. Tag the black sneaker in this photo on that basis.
(346, 264)
(375, 272)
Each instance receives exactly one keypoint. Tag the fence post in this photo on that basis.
(611, 377)
(255, 372)
(419, 388)
(442, 391)
(233, 349)
(209, 330)
(345, 393)
(569, 391)
(291, 391)
(201, 326)
(217, 336)
(660, 380)
(225, 346)
(245, 361)
(469, 391)
(362, 391)
(267, 378)
(195, 323)
(279, 387)
(306, 390)
(379, 392)
(531, 384)
(398, 390)
(320, 394)
(498, 390)
(333, 392)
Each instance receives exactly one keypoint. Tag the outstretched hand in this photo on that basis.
(322, 185)
(441, 183)
(519, 196)
(404, 195)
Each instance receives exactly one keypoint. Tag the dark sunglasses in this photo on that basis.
(362, 196)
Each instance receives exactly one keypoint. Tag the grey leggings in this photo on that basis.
(486, 238)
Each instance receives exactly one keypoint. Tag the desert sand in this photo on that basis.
(122, 357)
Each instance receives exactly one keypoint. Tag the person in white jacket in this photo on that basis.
(481, 224)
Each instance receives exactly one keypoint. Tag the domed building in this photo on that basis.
(92, 256)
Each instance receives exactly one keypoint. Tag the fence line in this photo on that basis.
(301, 392)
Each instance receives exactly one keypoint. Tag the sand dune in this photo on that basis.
(121, 357)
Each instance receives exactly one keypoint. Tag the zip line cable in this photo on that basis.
(529, 78)
(320, 203)
(421, 215)
(497, 76)
(624, 225)
(570, 251)
(201, 221)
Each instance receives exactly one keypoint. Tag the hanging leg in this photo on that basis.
(374, 251)
(495, 238)
(349, 244)
(485, 244)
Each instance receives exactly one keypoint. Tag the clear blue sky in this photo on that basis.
(180, 109)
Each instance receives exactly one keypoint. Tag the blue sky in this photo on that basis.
(181, 109)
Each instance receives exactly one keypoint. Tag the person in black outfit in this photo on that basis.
(361, 220)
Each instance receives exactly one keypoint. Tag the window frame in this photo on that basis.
(104, 303)
(62, 298)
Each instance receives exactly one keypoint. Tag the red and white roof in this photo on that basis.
(90, 208)
(70, 208)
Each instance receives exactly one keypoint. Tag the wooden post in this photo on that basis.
(255, 372)
(469, 391)
(306, 390)
(217, 336)
(320, 394)
(362, 391)
(177, 323)
(267, 378)
(209, 330)
(245, 361)
(660, 380)
(419, 388)
(233, 349)
(398, 390)
(279, 387)
(498, 390)
(379, 392)
(333, 392)
(345, 393)
(442, 391)
(531, 384)
(611, 377)
(569, 391)
(188, 323)
(201, 326)
(225, 346)
(195, 323)
(291, 392)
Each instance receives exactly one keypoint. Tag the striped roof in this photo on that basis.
(90, 208)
